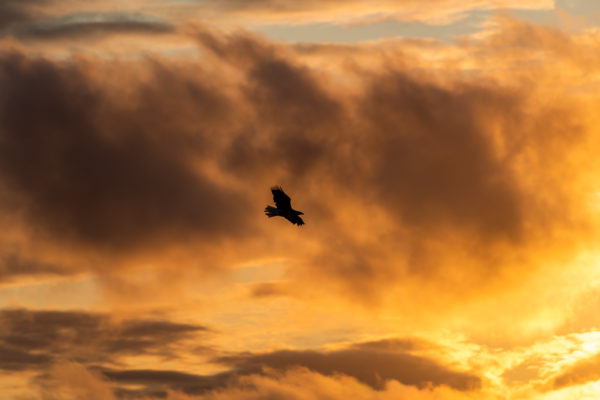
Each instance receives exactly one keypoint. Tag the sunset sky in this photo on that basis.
(445, 155)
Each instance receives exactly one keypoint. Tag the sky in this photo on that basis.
(444, 154)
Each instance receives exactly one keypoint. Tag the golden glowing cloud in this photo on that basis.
(450, 193)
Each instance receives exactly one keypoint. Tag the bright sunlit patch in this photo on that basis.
(590, 342)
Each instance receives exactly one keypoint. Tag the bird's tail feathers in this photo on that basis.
(271, 211)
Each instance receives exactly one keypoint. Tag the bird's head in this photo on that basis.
(299, 213)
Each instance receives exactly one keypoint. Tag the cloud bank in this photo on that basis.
(447, 187)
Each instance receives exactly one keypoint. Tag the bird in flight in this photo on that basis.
(284, 207)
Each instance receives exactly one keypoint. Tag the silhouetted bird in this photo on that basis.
(284, 207)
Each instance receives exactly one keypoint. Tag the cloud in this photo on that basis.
(86, 25)
(375, 364)
(352, 11)
(582, 371)
(160, 382)
(72, 380)
(14, 359)
(301, 383)
(97, 171)
(13, 265)
(240, 13)
(429, 157)
(438, 169)
(34, 339)
(13, 12)
(368, 363)
(448, 189)
(393, 345)
(378, 365)
(413, 174)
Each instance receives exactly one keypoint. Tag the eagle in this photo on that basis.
(284, 207)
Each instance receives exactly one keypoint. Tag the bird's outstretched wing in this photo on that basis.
(282, 200)
(295, 219)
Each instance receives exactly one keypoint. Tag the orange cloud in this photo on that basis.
(437, 171)
(449, 190)
(351, 11)
(72, 380)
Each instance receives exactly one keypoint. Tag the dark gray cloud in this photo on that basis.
(15, 359)
(371, 364)
(295, 126)
(429, 157)
(88, 25)
(33, 339)
(140, 155)
(107, 174)
(34, 19)
(15, 12)
(14, 264)
(426, 154)
(158, 382)
(436, 162)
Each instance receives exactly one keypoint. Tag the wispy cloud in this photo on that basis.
(34, 339)
(370, 366)
(84, 25)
